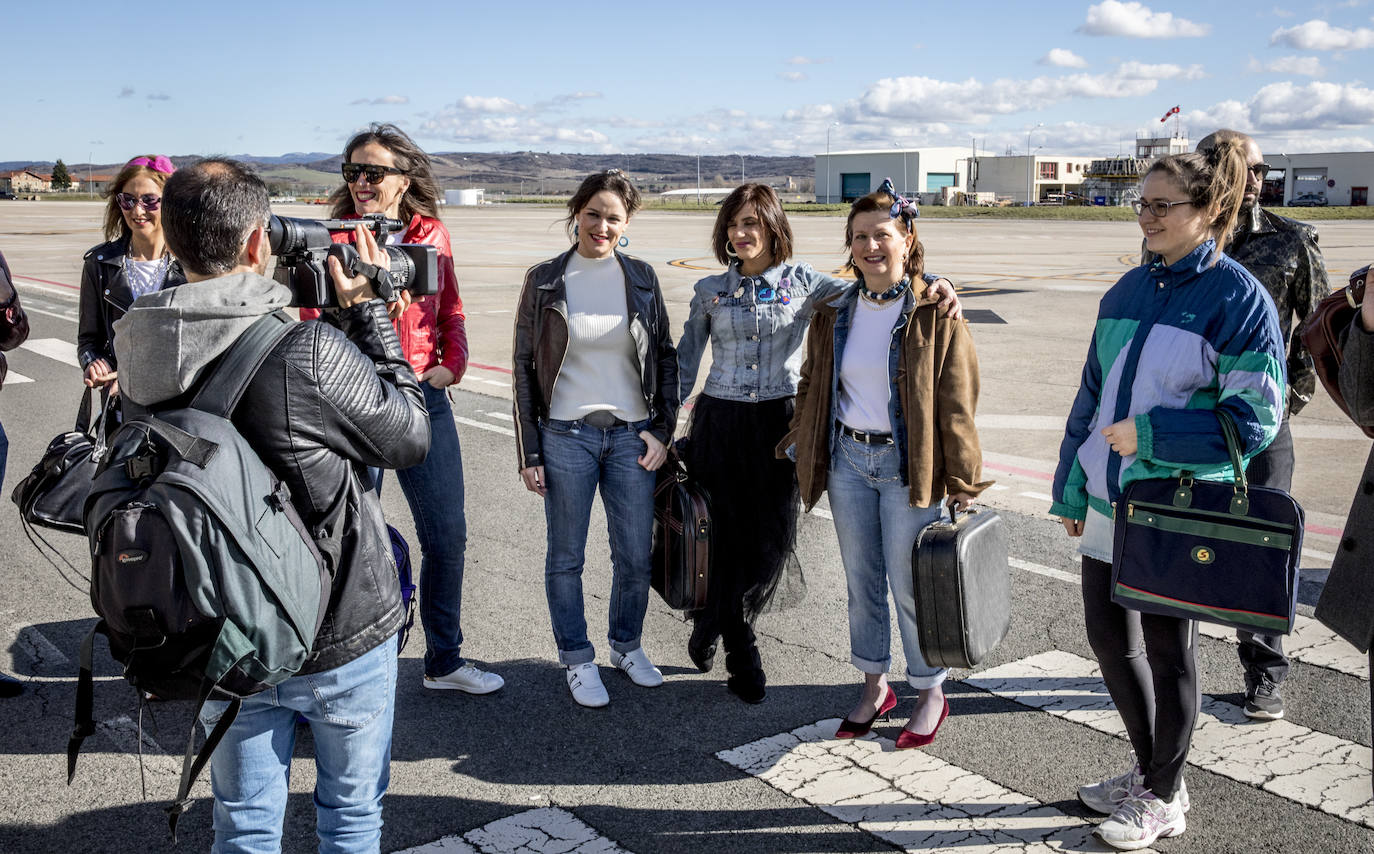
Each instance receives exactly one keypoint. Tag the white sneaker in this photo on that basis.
(468, 678)
(1139, 821)
(638, 667)
(1106, 796)
(584, 680)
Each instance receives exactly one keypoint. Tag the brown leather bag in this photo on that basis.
(1323, 329)
(14, 323)
(682, 538)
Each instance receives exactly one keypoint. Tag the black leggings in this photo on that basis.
(1150, 666)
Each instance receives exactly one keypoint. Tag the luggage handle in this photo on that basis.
(1240, 500)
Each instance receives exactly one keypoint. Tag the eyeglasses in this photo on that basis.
(375, 173)
(1260, 170)
(127, 201)
(1159, 209)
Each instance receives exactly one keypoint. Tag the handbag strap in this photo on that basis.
(83, 411)
(1232, 437)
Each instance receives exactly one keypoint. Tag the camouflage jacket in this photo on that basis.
(1282, 253)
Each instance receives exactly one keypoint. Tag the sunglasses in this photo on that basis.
(127, 201)
(1259, 169)
(375, 173)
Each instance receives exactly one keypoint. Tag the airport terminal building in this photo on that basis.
(949, 175)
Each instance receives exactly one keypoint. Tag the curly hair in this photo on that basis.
(421, 197)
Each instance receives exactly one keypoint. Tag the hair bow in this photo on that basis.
(902, 207)
(158, 163)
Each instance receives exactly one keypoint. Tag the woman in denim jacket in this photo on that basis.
(755, 316)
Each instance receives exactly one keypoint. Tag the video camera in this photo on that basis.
(302, 245)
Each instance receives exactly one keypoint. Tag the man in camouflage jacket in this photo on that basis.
(1282, 253)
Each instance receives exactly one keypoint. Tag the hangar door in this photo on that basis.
(854, 185)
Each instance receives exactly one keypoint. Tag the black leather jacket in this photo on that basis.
(105, 296)
(541, 342)
(318, 412)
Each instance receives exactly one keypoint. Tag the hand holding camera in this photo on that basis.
(352, 291)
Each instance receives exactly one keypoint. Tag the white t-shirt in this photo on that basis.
(864, 384)
(600, 370)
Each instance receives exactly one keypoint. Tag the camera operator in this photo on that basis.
(385, 172)
(330, 399)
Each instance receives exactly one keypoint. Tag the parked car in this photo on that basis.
(6, 194)
(1308, 200)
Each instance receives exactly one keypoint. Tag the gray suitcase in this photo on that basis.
(963, 588)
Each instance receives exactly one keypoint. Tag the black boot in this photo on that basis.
(701, 646)
(746, 673)
(9, 686)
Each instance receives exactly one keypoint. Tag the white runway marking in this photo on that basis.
(1049, 572)
(543, 831)
(1319, 770)
(53, 348)
(1038, 496)
(490, 382)
(482, 425)
(15, 378)
(38, 648)
(500, 416)
(911, 799)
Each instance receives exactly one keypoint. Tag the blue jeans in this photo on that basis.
(578, 458)
(877, 529)
(434, 491)
(349, 710)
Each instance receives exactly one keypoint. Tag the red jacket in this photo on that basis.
(433, 329)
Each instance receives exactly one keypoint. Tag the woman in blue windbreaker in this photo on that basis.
(1175, 340)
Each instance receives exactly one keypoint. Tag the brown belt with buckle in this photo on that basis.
(865, 438)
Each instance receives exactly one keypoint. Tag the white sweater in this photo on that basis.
(600, 370)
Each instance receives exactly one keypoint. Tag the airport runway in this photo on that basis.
(686, 767)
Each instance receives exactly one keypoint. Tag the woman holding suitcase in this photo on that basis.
(1175, 341)
(754, 314)
(595, 387)
(884, 421)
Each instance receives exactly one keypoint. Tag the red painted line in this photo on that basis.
(46, 282)
(1039, 475)
(1322, 529)
(490, 368)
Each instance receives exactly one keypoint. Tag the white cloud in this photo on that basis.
(501, 122)
(794, 76)
(159, 96)
(384, 100)
(1136, 20)
(929, 100)
(1307, 66)
(488, 104)
(808, 60)
(1062, 58)
(126, 92)
(1281, 13)
(1292, 107)
(1162, 71)
(1319, 35)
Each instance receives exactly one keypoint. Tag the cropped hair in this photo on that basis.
(208, 210)
(115, 224)
(613, 180)
(883, 201)
(1215, 176)
(770, 213)
(421, 197)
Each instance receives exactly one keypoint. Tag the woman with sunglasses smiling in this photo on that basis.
(1176, 340)
(385, 172)
(595, 387)
(754, 315)
(884, 423)
(134, 261)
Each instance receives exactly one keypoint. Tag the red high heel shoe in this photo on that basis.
(909, 739)
(855, 729)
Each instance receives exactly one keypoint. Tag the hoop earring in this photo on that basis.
(624, 241)
(730, 250)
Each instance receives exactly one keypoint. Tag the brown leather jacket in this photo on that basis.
(937, 390)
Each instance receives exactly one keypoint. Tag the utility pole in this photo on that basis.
(827, 159)
(1030, 166)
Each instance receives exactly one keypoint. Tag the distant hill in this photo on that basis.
(317, 173)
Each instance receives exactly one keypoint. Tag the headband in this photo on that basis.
(157, 163)
(902, 207)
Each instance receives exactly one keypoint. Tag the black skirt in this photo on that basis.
(754, 504)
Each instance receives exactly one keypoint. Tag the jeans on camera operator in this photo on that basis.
(331, 399)
(386, 173)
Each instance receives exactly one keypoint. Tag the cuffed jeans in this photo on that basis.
(349, 710)
(877, 529)
(434, 491)
(1262, 655)
(577, 459)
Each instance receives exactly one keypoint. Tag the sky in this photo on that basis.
(701, 77)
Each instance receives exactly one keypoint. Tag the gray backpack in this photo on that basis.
(205, 579)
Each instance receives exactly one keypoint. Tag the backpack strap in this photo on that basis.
(194, 763)
(85, 701)
(220, 391)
